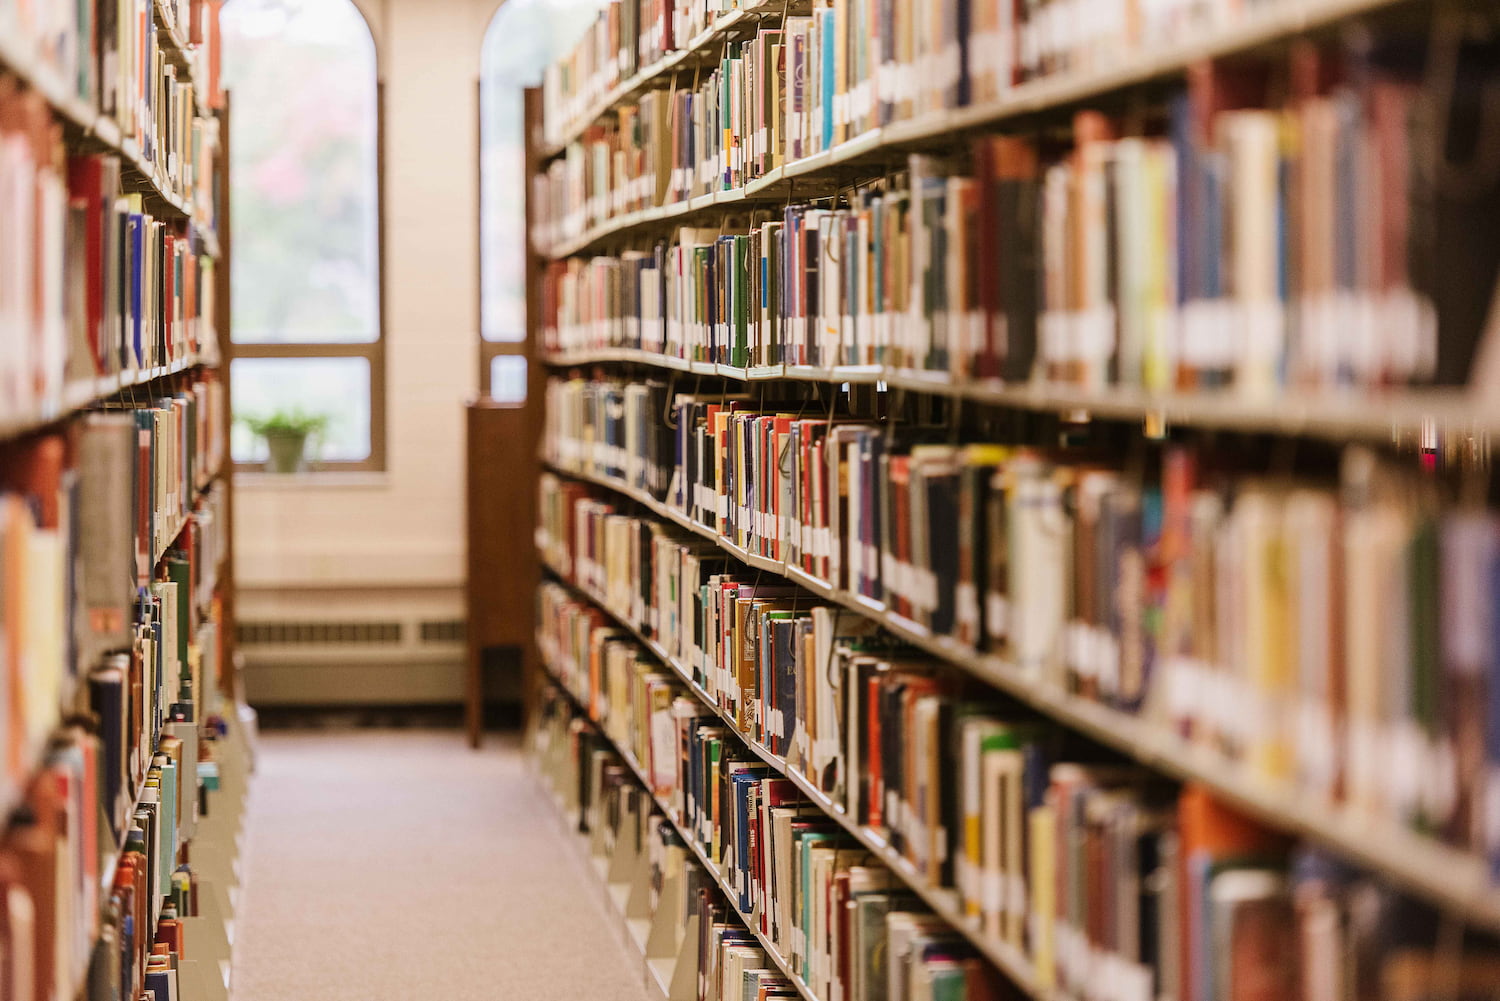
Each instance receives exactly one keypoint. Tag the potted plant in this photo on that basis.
(286, 433)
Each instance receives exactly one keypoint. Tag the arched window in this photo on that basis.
(524, 36)
(304, 155)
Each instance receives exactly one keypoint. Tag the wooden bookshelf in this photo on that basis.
(212, 839)
(1456, 881)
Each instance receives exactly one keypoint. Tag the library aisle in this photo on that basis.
(401, 864)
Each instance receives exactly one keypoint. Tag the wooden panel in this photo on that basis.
(500, 512)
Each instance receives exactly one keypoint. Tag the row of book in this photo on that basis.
(1336, 638)
(856, 65)
(110, 55)
(1110, 881)
(626, 37)
(588, 421)
(1243, 240)
(94, 283)
(111, 535)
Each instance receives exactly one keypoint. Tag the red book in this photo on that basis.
(34, 469)
(839, 896)
(900, 527)
(29, 863)
(214, 48)
(86, 187)
(89, 818)
(876, 818)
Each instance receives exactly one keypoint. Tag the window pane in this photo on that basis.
(302, 73)
(508, 379)
(338, 388)
(523, 38)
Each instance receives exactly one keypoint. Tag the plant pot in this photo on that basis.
(285, 451)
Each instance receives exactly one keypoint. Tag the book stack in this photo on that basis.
(82, 896)
(146, 293)
(723, 960)
(629, 38)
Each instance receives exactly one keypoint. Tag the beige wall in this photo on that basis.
(352, 542)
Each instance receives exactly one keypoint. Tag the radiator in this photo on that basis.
(344, 660)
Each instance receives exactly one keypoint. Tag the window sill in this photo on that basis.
(323, 479)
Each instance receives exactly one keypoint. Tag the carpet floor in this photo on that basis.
(389, 864)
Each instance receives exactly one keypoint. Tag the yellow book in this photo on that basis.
(1043, 829)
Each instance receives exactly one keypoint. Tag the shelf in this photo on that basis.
(635, 932)
(173, 45)
(99, 131)
(647, 217)
(1451, 877)
(1336, 415)
(81, 394)
(107, 877)
(1269, 22)
(42, 78)
(943, 901)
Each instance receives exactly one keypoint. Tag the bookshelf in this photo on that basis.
(1389, 416)
(126, 759)
(654, 174)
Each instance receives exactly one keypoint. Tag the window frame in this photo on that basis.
(372, 351)
(490, 350)
(528, 347)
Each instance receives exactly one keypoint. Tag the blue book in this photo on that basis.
(127, 947)
(137, 283)
(743, 778)
(826, 85)
(162, 984)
